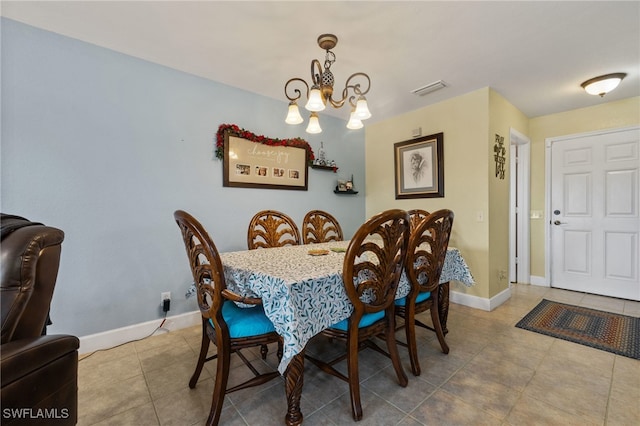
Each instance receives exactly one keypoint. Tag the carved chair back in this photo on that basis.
(428, 249)
(416, 216)
(372, 269)
(270, 228)
(320, 227)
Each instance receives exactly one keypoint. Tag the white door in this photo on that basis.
(519, 270)
(594, 221)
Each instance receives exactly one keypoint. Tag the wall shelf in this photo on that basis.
(348, 192)
(319, 167)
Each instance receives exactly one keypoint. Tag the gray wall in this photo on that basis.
(106, 146)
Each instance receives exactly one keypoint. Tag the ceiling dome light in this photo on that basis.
(603, 84)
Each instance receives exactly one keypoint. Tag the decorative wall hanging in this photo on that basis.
(256, 161)
(419, 167)
(500, 157)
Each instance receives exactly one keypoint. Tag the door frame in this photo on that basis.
(519, 230)
(547, 195)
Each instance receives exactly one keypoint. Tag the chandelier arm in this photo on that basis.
(297, 92)
(339, 103)
(316, 77)
(356, 87)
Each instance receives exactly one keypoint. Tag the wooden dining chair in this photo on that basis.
(270, 228)
(229, 327)
(416, 216)
(371, 272)
(425, 259)
(320, 227)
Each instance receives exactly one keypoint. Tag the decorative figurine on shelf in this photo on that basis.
(345, 187)
(349, 184)
(322, 161)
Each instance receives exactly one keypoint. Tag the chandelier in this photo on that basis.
(321, 91)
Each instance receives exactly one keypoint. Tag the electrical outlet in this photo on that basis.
(164, 296)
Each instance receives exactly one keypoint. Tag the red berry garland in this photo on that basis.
(245, 134)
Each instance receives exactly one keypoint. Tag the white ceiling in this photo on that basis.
(535, 54)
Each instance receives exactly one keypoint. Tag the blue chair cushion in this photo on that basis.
(245, 322)
(421, 298)
(365, 321)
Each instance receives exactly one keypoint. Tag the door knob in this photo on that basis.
(557, 222)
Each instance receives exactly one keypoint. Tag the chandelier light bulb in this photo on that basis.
(314, 124)
(354, 122)
(362, 109)
(315, 102)
(293, 116)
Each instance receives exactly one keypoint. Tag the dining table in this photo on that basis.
(302, 293)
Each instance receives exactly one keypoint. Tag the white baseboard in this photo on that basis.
(541, 281)
(118, 336)
(499, 298)
(480, 302)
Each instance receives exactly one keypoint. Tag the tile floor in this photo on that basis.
(495, 374)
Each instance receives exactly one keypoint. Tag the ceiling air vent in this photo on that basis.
(431, 87)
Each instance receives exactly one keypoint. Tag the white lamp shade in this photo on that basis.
(354, 122)
(293, 116)
(315, 102)
(314, 124)
(362, 109)
(603, 84)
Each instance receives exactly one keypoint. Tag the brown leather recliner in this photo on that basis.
(39, 373)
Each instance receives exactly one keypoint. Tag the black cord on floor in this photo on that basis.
(130, 341)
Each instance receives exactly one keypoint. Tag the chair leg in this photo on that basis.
(410, 332)
(437, 325)
(354, 377)
(280, 349)
(204, 348)
(392, 347)
(220, 386)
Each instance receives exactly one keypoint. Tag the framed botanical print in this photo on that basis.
(419, 167)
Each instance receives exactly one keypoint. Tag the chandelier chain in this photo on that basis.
(329, 59)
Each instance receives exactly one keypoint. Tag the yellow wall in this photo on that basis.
(469, 124)
(464, 122)
(606, 116)
(503, 117)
